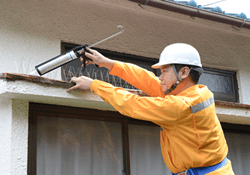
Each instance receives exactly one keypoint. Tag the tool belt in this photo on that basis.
(203, 170)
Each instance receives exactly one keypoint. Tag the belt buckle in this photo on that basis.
(182, 173)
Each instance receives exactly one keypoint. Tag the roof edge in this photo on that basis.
(196, 12)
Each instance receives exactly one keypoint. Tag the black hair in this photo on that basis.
(194, 74)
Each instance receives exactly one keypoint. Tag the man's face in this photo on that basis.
(167, 77)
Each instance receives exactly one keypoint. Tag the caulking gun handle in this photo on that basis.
(86, 58)
(79, 50)
(81, 53)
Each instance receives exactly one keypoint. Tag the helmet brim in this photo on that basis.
(158, 65)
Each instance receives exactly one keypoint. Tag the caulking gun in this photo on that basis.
(69, 56)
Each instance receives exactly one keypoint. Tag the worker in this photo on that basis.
(192, 140)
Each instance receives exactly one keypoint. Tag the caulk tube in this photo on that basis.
(55, 62)
(60, 60)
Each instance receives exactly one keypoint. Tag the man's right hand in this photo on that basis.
(98, 59)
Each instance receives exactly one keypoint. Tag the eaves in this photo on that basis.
(196, 12)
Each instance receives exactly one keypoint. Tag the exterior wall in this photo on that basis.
(21, 52)
(14, 136)
(31, 32)
(244, 86)
(5, 133)
(19, 139)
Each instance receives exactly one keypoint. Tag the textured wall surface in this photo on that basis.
(50, 94)
(21, 52)
(31, 32)
(5, 135)
(19, 136)
(147, 31)
(244, 85)
(14, 136)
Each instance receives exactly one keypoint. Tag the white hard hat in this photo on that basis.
(179, 53)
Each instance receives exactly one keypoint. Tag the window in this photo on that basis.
(66, 140)
(221, 82)
(238, 140)
(72, 146)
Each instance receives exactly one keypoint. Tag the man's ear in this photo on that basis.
(184, 72)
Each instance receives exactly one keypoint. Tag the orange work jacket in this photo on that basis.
(191, 136)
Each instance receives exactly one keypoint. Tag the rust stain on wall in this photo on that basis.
(35, 79)
(231, 104)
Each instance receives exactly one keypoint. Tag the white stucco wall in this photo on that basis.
(244, 85)
(31, 32)
(19, 136)
(14, 136)
(5, 135)
(21, 52)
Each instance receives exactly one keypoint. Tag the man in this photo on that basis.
(192, 140)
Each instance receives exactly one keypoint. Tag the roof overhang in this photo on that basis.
(197, 12)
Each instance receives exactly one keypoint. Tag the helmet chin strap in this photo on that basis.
(176, 83)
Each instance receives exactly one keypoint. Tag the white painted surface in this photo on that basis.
(49, 94)
(14, 136)
(21, 52)
(147, 31)
(31, 33)
(5, 135)
(233, 115)
(19, 137)
(244, 85)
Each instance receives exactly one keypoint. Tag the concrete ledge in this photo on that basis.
(44, 90)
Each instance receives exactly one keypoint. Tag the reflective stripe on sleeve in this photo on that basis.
(202, 105)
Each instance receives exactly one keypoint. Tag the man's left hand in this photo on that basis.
(82, 83)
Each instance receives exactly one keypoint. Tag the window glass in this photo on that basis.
(239, 152)
(217, 83)
(222, 83)
(77, 146)
(145, 151)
